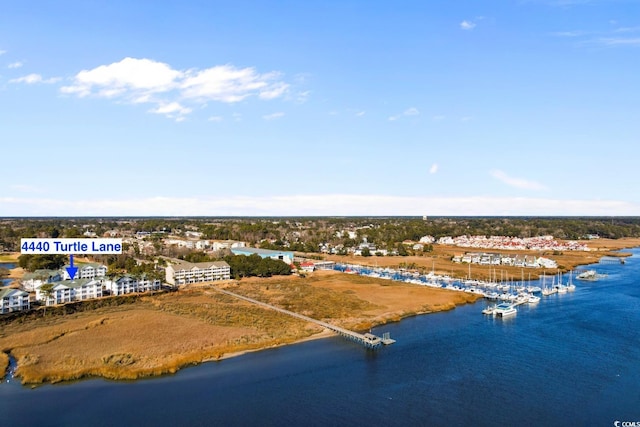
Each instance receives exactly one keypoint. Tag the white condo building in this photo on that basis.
(71, 290)
(127, 284)
(13, 300)
(86, 271)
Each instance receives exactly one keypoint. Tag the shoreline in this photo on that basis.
(175, 362)
(171, 362)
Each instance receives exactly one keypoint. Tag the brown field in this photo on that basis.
(160, 334)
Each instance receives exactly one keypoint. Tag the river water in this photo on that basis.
(8, 266)
(573, 359)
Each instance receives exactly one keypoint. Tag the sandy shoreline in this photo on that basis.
(196, 326)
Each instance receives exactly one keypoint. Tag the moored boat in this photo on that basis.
(504, 309)
(489, 310)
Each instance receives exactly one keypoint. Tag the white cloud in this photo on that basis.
(467, 25)
(412, 111)
(438, 118)
(627, 29)
(273, 116)
(141, 76)
(302, 97)
(319, 204)
(617, 41)
(228, 84)
(138, 81)
(360, 113)
(575, 33)
(172, 110)
(516, 182)
(434, 168)
(2, 52)
(34, 78)
(16, 64)
(215, 119)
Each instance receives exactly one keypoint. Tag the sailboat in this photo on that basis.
(562, 289)
(570, 286)
(546, 291)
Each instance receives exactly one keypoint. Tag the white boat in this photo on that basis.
(588, 275)
(560, 287)
(570, 286)
(505, 309)
(489, 310)
(533, 299)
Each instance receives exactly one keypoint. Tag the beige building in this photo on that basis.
(182, 272)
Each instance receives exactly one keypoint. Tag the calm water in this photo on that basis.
(8, 266)
(572, 360)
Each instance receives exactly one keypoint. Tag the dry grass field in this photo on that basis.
(162, 333)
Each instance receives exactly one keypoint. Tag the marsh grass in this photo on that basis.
(4, 364)
(159, 334)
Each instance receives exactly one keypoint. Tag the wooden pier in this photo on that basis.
(368, 340)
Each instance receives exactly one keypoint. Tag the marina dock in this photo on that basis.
(368, 340)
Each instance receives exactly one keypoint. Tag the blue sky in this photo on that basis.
(511, 107)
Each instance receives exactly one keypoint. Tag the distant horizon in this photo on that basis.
(608, 217)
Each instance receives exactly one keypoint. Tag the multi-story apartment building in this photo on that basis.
(183, 273)
(13, 300)
(127, 284)
(70, 290)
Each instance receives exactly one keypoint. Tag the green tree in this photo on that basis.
(402, 251)
(47, 291)
(38, 262)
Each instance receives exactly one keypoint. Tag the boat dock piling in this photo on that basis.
(368, 340)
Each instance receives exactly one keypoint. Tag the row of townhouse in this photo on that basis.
(183, 273)
(539, 243)
(13, 300)
(213, 245)
(529, 261)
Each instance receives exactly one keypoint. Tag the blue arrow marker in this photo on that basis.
(71, 270)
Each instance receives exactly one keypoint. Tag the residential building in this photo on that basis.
(285, 256)
(307, 266)
(226, 244)
(127, 284)
(31, 281)
(86, 271)
(13, 300)
(182, 273)
(71, 290)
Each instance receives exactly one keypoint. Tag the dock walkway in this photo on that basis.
(368, 340)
